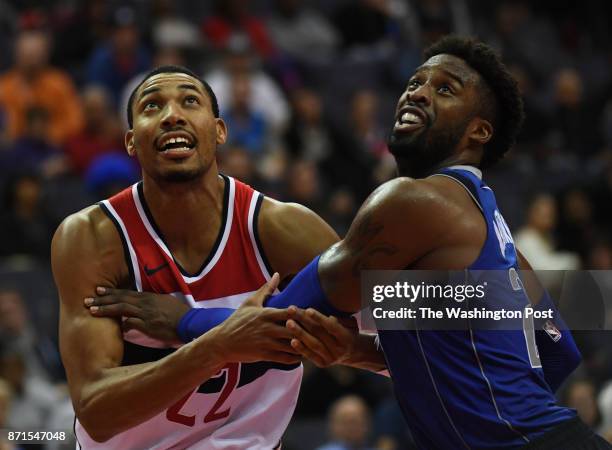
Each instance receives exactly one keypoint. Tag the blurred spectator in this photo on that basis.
(17, 331)
(341, 210)
(115, 61)
(364, 22)
(537, 125)
(364, 123)
(435, 18)
(247, 126)
(265, 95)
(101, 134)
(581, 395)
(304, 185)
(576, 226)
(32, 83)
(309, 135)
(535, 239)
(368, 28)
(233, 19)
(6, 392)
(301, 32)
(369, 147)
(390, 429)
(25, 227)
(238, 163)
(525, 38)
(8, 28)
(349, 424)
(111, 173)
(573, 115)
(321, 387)
(600, 257)
(32, 151)
(604, 402)
(33, 399)
(77, 28)
(169, 29)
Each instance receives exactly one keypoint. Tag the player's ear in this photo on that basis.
(129, 143)
(481, 131)
(221, 131)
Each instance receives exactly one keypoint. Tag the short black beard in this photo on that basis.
(180, 176)
(419, 156)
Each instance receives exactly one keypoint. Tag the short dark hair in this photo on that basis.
(501, 102)
(172, 69)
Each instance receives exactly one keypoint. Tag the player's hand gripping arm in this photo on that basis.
(86, 252)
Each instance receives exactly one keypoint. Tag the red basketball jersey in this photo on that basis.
(246, 406)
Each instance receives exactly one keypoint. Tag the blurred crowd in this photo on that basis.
(307, 88)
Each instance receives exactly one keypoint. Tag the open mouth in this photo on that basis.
(175, 144)
(409, 119)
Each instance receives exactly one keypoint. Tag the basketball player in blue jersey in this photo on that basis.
(472, 389)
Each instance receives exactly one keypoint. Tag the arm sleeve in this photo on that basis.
(198, 321)
(304, 291)
(558, 352)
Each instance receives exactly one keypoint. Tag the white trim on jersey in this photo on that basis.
(476, 171)
(433, 381)
(503, 419)
(463, 186)
(133, 257)
(231, 301)
(166, 250)
(264, 270)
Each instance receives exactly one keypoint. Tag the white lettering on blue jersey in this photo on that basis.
(502, 231)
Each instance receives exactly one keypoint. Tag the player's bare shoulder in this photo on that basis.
(405, 200)
(86, 229)
(292, 235)
(88, 238)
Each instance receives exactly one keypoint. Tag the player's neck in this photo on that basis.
(406, 170)
(178, 207)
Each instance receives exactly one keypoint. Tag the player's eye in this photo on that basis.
(413, 84)
(445, 89)
(150, 105)
(192, 100)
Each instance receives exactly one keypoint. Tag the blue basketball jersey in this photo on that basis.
(474, 388)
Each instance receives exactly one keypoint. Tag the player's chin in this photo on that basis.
(401, 144)
(182, 175)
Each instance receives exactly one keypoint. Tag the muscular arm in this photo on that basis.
(86, 252)
(388, 233)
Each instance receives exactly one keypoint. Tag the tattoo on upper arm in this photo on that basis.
(364, 246)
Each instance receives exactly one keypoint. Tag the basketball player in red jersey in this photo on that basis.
(207, 239)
